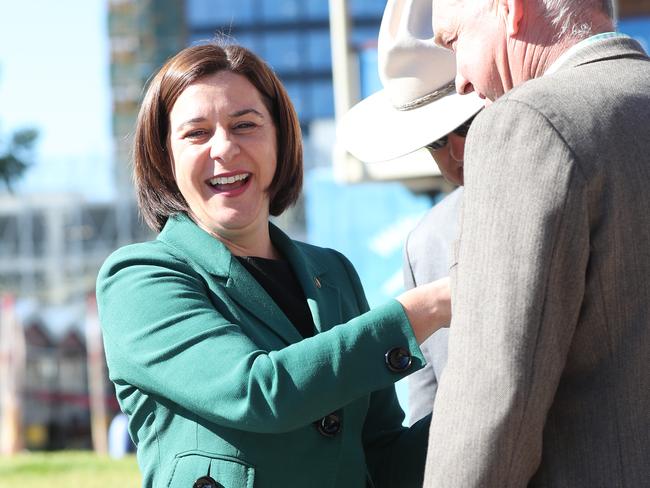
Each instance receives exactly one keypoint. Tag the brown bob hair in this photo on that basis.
(156, 189)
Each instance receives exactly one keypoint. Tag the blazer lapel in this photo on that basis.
(207, 252)
(322, 294)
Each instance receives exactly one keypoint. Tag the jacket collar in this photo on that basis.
(599, 49)
(203, 250)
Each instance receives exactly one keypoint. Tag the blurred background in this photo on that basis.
(71, 78)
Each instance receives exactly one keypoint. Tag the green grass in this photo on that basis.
(68, 469)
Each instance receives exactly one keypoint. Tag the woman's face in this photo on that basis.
(224, 152)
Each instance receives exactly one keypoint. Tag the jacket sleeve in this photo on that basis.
(422, 384)
(517, 288)
(163, 335)
(395, 454)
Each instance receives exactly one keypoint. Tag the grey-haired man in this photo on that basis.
(548, 374)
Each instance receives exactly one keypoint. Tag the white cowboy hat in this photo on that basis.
(418, 103)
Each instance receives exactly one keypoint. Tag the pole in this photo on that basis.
(96, 374)
(12, 374)
(345, 82)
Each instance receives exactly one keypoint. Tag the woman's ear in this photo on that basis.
(514, 14)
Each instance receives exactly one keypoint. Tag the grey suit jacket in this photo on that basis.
(548, 374)
(426, 258)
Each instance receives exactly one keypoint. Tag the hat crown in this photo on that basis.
(411, 66)
(418, 103)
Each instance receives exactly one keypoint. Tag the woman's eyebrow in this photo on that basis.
(246, 111)
(194, 120)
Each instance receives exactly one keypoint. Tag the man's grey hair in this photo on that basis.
(572, 18)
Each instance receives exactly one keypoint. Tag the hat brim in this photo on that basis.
(373, 130)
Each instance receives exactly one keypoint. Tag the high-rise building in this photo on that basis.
(293, 36)
(143, 34)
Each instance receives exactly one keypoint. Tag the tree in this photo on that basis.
(17, 156)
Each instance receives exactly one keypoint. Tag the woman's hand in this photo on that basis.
(428, 307)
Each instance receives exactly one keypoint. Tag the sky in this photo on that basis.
(54, 76)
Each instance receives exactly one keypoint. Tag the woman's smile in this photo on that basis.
(231, 184)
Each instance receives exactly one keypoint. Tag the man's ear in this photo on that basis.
(514, 15)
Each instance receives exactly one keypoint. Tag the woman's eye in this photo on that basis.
(244, 125)
(194, 134)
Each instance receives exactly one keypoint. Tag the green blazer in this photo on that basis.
(215, 379)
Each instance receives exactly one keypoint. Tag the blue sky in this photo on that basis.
(54, 75)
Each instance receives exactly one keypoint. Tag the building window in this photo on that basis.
(207, 13)
(316, 9)
(282, 50)
(280, 10)
(319, 50)
(365, 8)
(322, 99)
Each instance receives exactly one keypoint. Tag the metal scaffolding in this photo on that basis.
(51, 248)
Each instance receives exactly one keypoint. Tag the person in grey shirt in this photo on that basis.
(417, 113)
(426, 258)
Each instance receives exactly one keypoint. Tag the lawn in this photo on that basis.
(68, 469)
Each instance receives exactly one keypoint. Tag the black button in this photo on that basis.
(330, 425)
(398, 360)
(206, 482)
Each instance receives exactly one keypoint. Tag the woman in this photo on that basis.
(241, 357)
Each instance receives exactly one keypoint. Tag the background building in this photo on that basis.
(293, 36)
(142, 35)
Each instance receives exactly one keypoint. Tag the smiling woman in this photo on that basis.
(187, 108)
(242, 357)
(223, 145)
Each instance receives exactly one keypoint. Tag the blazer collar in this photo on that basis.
(603, 49)
(195, 244)
(209, 253)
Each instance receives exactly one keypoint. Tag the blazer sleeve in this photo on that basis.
(164, 336)
(518, 288)
(395, 454)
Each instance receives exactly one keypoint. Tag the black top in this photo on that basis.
(279, 281)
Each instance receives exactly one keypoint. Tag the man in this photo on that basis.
(548, 374)
(426, 258)
(416, 106)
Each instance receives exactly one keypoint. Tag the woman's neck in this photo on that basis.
(262, 248)
(254, 241)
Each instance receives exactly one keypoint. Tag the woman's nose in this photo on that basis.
(223, 146)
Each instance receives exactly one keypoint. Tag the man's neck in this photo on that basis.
(549, 55)
(543, 50)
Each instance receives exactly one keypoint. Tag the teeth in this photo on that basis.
(228, 180)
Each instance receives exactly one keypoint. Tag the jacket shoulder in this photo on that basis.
(440, 223)
(156, 253)
(581, 89)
